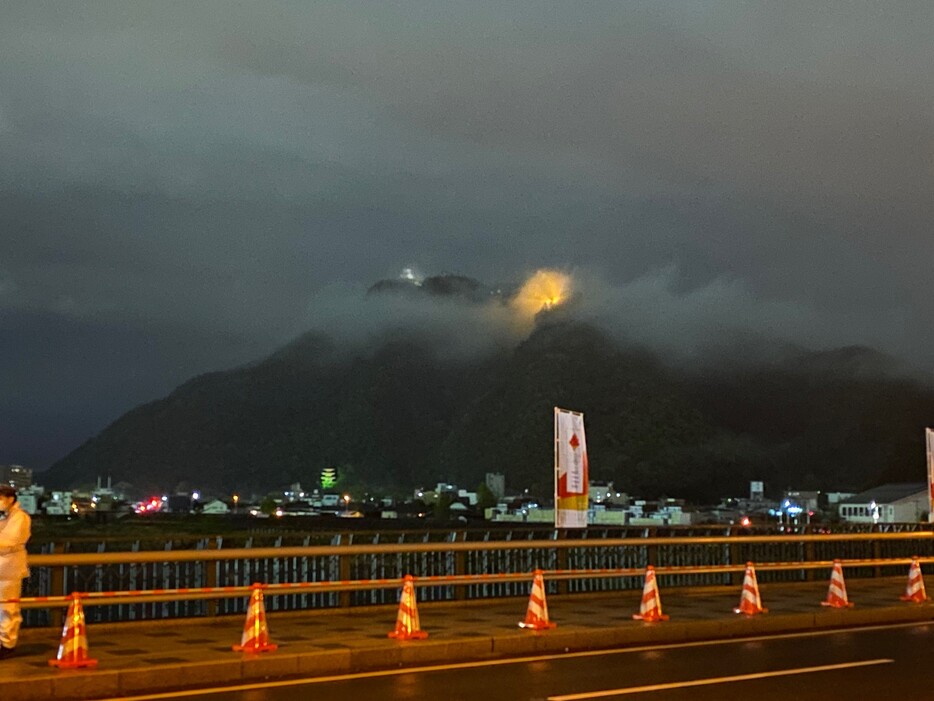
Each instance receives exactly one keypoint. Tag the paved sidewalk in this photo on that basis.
(143, 657)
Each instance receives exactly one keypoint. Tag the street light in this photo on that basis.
(346, 503)
(236, 500)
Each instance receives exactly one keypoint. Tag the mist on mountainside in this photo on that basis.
(444, 379)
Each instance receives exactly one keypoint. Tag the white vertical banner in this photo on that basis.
(929, 435)
(571, 470)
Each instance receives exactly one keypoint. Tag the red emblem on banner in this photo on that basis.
(574, 443)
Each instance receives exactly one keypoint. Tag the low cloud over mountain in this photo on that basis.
(445, 378)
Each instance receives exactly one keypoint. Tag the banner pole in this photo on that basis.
(555, 446)
(929, 442)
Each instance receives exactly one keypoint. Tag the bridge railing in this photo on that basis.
(207, 579)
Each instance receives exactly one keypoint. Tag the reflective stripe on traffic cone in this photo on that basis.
(750, 603)
(407, 624)
(73, 650)
(536, 616)
(915, 591)
(255, 636)
(836, 594)
(650, 610)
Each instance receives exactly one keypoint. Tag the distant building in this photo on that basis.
(16, 476)
(834, 498)
(298, 508)
(330, 500)
(669, 512)
(59, 504)
(466, 497)
(801, 500)
(215, 506)
(178, 504)
(496, 482)
(889, 503)
(294, 492)
(601, 491)
(756, 490)
(29, 497)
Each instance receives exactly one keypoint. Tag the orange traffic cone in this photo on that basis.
(536, 616)
(750, 603)
(73, 650)
(915, 591)
(836, 595)
(650, 610)
(407, 624)
(255, 631)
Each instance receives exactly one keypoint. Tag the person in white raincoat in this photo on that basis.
(15, 530)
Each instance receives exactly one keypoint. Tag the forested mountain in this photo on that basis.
(404, 413)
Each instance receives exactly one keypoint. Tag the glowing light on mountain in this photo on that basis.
(411, 275)
(545, 290)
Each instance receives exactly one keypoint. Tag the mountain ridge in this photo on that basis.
(402, 413)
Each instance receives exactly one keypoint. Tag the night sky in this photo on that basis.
(186, 186)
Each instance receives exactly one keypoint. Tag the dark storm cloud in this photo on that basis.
(206, 180)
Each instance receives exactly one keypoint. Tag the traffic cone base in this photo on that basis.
(73, 650)
(650, 609)
(407, 622)
(915, 592)
(536, 615)
(836, 594)
(750, 603)
(255, 630)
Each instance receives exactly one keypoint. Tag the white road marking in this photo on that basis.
(716, 680)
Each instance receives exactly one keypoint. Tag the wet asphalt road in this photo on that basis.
(877, 663)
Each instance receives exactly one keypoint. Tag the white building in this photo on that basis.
(215, 506)
(28, 498)
(59, 504)
(496, 483)
(889, 503)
